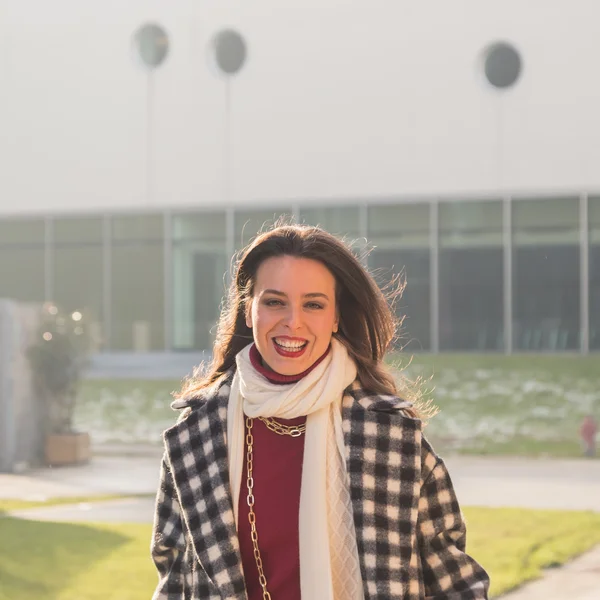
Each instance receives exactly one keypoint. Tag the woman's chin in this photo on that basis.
(286, 366)
(283, 367)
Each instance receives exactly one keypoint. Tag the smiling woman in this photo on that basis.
(292, 313)
(298, 469)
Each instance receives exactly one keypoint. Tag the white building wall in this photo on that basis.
(337, 100)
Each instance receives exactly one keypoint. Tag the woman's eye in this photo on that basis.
(273, 302)
(314, 305)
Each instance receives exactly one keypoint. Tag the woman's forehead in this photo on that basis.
(289, 271)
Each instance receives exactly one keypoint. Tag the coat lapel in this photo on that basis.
(197, 453)
(383, 460)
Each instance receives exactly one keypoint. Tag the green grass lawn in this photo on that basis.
(518, 405)
(490, 404)
(63, 561)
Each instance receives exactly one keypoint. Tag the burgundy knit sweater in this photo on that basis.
(277, 476)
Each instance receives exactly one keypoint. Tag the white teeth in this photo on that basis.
(290, 345)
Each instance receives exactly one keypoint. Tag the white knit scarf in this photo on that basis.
(329, 565)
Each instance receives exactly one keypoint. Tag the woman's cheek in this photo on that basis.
(262, 322)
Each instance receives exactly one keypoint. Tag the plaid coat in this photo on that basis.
(409, 528)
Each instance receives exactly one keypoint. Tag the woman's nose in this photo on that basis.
(293, 318)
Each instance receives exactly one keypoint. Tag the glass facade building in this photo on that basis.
(512, 274)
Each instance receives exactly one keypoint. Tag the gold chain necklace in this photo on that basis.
(281, 430)
(291, 430)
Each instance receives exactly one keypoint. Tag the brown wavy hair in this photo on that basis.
(367, 323)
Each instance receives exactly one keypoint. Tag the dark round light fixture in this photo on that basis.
(229, 49)
(502, 65)
(152, 45)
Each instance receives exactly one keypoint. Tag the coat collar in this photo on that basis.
(197, 453)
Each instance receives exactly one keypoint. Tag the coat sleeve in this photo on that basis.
(448, 572)
(168, 540)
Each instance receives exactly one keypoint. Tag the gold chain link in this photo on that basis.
(291, 430)
(281, 430)
(251, 514)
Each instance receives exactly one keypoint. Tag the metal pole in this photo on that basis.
(227, 173)
(584, 272)
(106, 281)
(434, 274)
(507, 273)
(168, 279)
(48, 259)
(149, 139)
(227, 149)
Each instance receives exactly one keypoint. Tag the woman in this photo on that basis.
(295, 470)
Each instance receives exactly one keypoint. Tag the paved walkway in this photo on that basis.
(123, 510)
(527, 483)
(479, 481)
(573, 484)
(578, 580)
(111, 473)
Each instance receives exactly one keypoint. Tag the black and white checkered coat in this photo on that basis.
(409, 528)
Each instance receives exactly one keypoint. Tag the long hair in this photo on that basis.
(367, 324)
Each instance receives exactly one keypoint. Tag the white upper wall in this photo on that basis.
(337, 99)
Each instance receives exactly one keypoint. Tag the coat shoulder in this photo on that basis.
(211, 398)
(394, 411)
(357, 397)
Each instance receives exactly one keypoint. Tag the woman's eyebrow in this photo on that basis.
(283, 294)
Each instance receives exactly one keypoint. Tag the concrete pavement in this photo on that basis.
(111, 474)
(527, 483)
(577, 580)
(123, 510)
(479, 481)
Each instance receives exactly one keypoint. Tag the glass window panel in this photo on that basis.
(399, 226)
(470, 224)
(547, 220)
(546, 281)
(594, 217)
(339, 220)
(399, 235)
(137, 227)
(200, 226)
(22, 231)
(137, 284)
(22, 272)
(471, 298)
(77, 230)
(199, 278)
(471, 276)
(249, 223)
(22, 259)
(414, 305)
(595, 297)
(78, 276)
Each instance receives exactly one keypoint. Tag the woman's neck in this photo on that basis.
(274, 377)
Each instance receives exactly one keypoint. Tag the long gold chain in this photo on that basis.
(251, 514)
(281, 430)
(291, 430)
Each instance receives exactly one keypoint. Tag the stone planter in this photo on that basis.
(67, 449)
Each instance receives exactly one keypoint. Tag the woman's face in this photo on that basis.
(292, 312)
